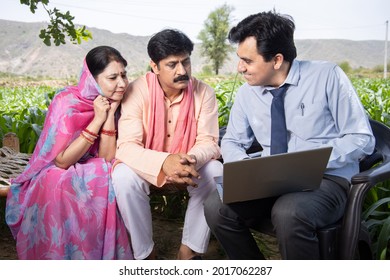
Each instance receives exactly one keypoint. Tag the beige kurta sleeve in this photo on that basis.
(132, 129)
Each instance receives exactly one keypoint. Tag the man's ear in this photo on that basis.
(278, 61)
(154, 67)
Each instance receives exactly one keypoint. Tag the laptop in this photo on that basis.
(273, 175)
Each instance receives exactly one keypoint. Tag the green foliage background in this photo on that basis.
(23, 111)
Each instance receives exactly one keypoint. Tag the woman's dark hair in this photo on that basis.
(274, 34)
(168, 42)
(98, 58)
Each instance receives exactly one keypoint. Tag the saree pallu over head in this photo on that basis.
(185, 132)
(71, 213)
(70, 111)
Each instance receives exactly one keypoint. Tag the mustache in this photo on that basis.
(181, 78)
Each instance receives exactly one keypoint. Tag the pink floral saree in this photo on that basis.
(55, 213)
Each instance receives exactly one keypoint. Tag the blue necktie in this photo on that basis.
(278, 121)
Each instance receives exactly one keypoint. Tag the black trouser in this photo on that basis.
(295, 217)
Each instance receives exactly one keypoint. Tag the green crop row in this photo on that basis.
(23, 111)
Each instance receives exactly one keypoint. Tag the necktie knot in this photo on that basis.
(278, 92)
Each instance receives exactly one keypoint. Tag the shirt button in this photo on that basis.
(169, 121)
(168, 135)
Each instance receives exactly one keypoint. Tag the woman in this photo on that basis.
(63, 205)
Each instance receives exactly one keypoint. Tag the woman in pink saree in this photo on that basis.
(63, 205)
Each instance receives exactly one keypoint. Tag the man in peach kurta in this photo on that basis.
(168, 134)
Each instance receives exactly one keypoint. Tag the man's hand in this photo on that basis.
(180, 169)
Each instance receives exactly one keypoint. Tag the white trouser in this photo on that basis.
(132, 194)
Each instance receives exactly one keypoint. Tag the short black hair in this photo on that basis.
(274, 34)
(169, 42)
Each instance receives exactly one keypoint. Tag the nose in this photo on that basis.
(240, 66)
(181, 70)
(122, 82)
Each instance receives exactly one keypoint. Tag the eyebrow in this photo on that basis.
(116, 73)
(243, 57)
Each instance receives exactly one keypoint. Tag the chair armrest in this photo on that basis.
(374, 175)
(361, 184)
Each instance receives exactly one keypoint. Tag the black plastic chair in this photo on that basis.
(349, 239)
(374, 169)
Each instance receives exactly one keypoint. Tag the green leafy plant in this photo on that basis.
(375, 96)
(170, 206)
(61, 25)
(225, 92)
(23, 111)
(377, 219)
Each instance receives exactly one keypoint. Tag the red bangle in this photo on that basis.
(90, 141)
(91, 133)
(108, 132)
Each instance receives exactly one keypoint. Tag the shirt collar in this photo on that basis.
(293, 74)
(291, 79)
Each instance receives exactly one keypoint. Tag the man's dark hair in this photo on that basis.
(98, 58)
(274, 34)
(168, 42)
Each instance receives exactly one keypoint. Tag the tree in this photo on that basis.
(345, 66)
(214, 35)
(60, 26)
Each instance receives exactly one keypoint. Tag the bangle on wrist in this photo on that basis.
(108, 132)
(93, 135)
(86, 138)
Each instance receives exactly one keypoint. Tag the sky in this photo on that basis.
(314, 19)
